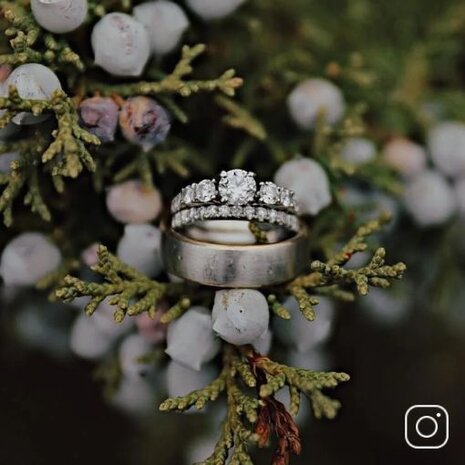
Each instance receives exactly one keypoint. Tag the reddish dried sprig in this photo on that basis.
(274, 418)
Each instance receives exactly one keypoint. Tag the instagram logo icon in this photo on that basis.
(426, 426)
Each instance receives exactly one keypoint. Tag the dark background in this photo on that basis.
(52, 412)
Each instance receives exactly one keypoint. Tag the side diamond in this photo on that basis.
(269, 193)
(287, 198)
(205, 190)
(188, 195)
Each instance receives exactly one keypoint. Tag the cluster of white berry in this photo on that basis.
(238, 316)
(435, 175)
(123, 43)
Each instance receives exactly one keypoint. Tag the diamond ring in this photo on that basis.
(235, 187)
(235, 196)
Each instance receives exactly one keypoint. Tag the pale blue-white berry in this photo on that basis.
(214, 9)
(87, 340)
(429, 199)
(181, 380)
(404, 156)
(263, 344)
(121, 45)
(59, 16)
(240, 316)
(27, 258)
(132, 351)
(315, 98)
(132, 202)
(190, 339)
(134, 396)
(300, 333)
(309, 182)
(43, 326)
(99, 115)
(446, 143)
(388, 307)
(144, 122)
(358, 150)
(6, 159)
(165, 23)
(33, 81)
(140, 248)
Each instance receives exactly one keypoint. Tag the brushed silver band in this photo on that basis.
(235, 266)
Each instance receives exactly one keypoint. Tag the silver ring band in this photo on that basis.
(236, 266)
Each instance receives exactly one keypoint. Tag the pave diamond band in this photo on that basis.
(235, 188)
(189, 216)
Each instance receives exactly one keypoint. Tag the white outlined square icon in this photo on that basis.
(426, 426)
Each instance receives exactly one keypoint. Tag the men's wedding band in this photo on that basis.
(235, 266)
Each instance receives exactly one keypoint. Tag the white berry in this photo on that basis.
(405, 156)
(59, 16)
(87, 340)
(165, 23)
(131, 350)
(446, 143)
(121, 45)
(240, 316)
(309, 182)
(132, 202)
(135, 396)
(190, 339)
(33, 81)
(140, 248)
(358, 150)
(6, 159)
(27, 258)
(429, 199)
(263, 344)
(181, 380)
(316, 359)
(213, 9)
(300, 333)
(387, 307)
(315, 97)
(44, 326)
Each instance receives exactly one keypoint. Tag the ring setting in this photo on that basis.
(236, 195)
(235, 187)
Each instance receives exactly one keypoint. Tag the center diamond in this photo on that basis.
(237, 187)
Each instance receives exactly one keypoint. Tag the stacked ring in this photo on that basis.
(235, 196)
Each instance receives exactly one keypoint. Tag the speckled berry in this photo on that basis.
(121, 45)
(315, 97)
(165, 23)
(59, 16)
(144, 122)
(429, 199)
(214, 9)
(33, 81)
(446, 143)
(99, 116)
(132, 202)
(309, 182)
